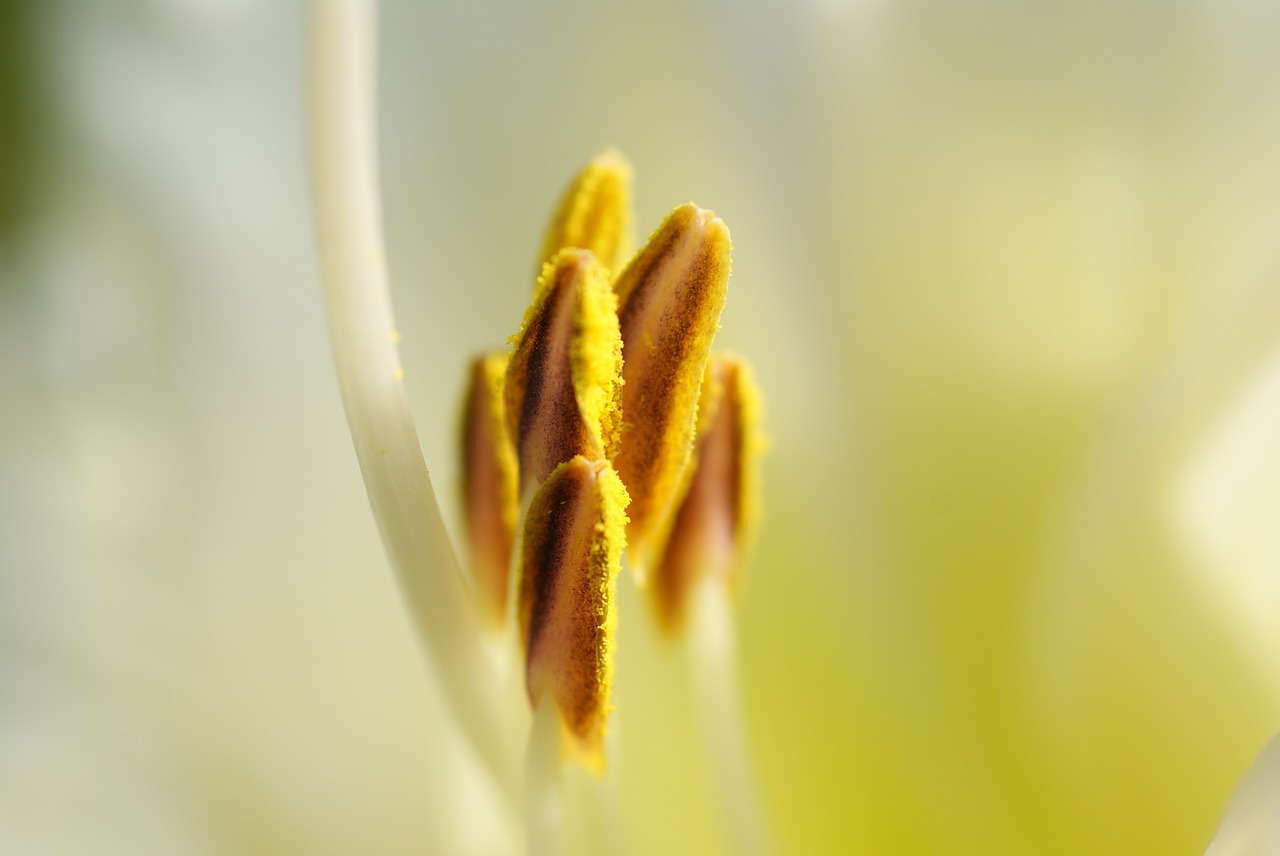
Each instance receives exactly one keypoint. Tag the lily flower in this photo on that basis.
(1006, 270)
(599, 372)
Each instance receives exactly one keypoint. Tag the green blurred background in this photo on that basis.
(1009, 274)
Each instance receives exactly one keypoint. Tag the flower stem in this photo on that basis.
(344, 186)
(544, 808)
(714, 670)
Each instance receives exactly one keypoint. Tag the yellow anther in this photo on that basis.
(563, 380)
(489, 485)
(574, 534)
(669, 302)
(713, 528)
(595, 212)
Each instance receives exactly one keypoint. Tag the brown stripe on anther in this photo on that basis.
(542, 403)
(554, 536)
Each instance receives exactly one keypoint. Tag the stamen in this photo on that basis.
(711, 533)
(564, 376)
(669, 298)
(713, 671)
(543, 795)
(574, 533)
(490, 500)
(595, 212)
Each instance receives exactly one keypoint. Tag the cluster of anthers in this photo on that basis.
(610, 426)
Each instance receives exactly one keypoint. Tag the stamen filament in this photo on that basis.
(594, 799)
(544, 800)
(713, 668)
(344, 184)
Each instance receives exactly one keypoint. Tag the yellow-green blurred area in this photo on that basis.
(1009, 273)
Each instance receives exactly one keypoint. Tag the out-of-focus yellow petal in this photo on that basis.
(595, 212)
(669, 302)
(713, 529)
(564, 376)
(574, 534)
(489, 484)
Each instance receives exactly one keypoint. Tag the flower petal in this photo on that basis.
(1252, 822)
(713, 529)
(574, 534)
(595, 212)
(490, 501)
(669, 298)
(563, 379)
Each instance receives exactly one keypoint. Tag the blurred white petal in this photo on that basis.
(1227, 509)
(1251, 826)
